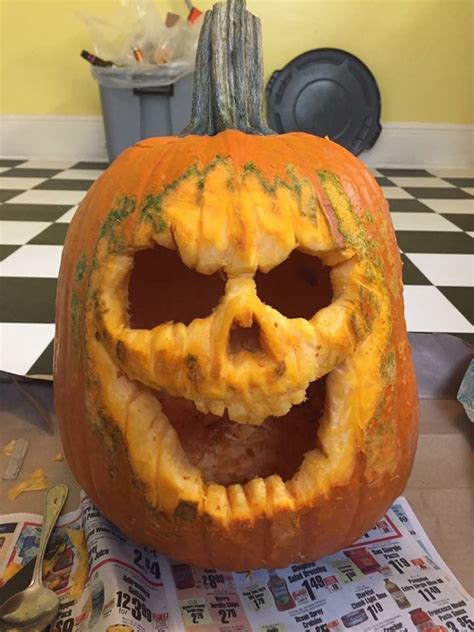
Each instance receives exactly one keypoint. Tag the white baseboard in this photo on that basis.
(52, 137)
(423, 145)
(407, 145)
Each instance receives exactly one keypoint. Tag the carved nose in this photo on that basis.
(245, 338)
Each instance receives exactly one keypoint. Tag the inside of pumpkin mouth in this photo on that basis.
(229, 453)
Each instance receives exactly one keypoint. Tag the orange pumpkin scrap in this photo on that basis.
(233, 378)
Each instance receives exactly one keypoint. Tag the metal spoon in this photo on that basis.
(37, 606)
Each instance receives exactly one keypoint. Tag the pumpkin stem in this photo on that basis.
(228, 79)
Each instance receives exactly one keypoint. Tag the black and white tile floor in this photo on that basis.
(432, 211)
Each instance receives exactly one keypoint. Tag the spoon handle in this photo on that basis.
(54, 500)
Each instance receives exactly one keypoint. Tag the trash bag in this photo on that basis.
(144, 51)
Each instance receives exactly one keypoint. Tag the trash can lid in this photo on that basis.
(326, 92)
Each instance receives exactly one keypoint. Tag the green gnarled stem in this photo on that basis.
(228, 78)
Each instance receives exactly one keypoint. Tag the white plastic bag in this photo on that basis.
(136, 29)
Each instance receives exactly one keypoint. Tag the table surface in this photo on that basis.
(440, 489)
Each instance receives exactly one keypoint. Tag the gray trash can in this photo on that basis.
(132, 114)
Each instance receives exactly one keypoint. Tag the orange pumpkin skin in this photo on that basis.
(265, 523)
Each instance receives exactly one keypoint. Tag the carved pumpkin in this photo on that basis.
(233, 379)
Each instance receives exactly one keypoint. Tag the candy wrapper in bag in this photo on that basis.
(144, 51)
(134, 24)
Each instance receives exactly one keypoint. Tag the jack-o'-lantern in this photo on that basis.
(233, 379)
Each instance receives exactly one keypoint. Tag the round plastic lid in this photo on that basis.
(326, 92)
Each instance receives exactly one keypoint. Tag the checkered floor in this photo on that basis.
(433, 214)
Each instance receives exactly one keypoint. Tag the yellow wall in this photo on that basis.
(420, 51)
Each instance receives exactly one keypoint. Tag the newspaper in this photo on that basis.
(392, 579)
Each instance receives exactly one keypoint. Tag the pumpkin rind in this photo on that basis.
(370, 424)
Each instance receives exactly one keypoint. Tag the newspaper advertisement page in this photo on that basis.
(103, 580)
(392, 579)
(206, 599)
(388, 580)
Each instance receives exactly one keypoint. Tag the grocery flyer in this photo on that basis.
(206, 599)
(391, 580)
(103, 580)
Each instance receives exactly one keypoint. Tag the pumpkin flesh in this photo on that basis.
(132, 428)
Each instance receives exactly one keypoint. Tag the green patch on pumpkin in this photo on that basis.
(81, 269)
(353, 230)
(125, 207)
(387, 366)
(108, 230)
(76, 320)
(153, 212)
(294, 185)
(107, 434)
(369, 216)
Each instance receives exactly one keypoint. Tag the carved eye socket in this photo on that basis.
(162, 288)
(298, 288)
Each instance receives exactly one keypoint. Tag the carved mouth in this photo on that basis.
(169, 435)
(228, 453)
